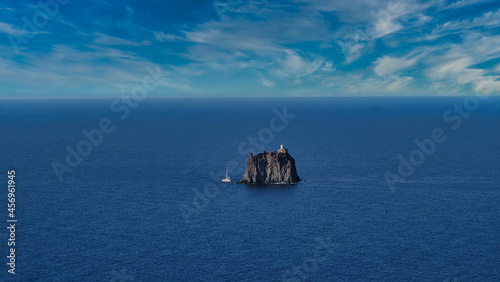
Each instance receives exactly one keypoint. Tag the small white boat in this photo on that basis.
(227, 179)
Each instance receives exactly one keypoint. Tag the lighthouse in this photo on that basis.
(282, 150)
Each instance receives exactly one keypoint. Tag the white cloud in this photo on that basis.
(9, 29)
(353, 11)
(15, 31)
(161, 36)
(385, 27)
(464, 3)
(261, 37)
(444, 88)
(327, 66)
(267, 83)
(354, 45)
(487, 84)
(488, 19)
(68, 70)
(238, 44)
(388, 65)
(266, 38)
(358, 38)
(387, 19)
(293, 64)
(104, 39)
(457, 64)
(449, 68)
(397, 83)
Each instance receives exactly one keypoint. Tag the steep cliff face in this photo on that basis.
(270, 168)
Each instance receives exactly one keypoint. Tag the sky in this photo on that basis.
(70, 48)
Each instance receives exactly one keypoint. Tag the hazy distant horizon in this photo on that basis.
(245, 97)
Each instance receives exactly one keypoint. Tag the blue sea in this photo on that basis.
(145, 201)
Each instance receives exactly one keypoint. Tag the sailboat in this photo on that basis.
(227, 179)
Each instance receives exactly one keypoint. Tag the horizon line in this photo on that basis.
(245, 97)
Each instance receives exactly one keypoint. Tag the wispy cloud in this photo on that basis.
(327, 66)
(463, 3)
(388, 65)
(305, 47)
(161, 36)
(487, 19)
(293, 64)
(103, 39)
(457, 64)
(66, 69)
(386, 19)
(266, 82)
(9, 29)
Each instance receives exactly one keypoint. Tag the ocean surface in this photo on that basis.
(146, 202)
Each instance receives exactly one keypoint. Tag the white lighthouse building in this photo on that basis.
(282, 150)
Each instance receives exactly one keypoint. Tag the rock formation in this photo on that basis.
(276, 167)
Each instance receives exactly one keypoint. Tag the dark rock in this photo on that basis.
(276, 167)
